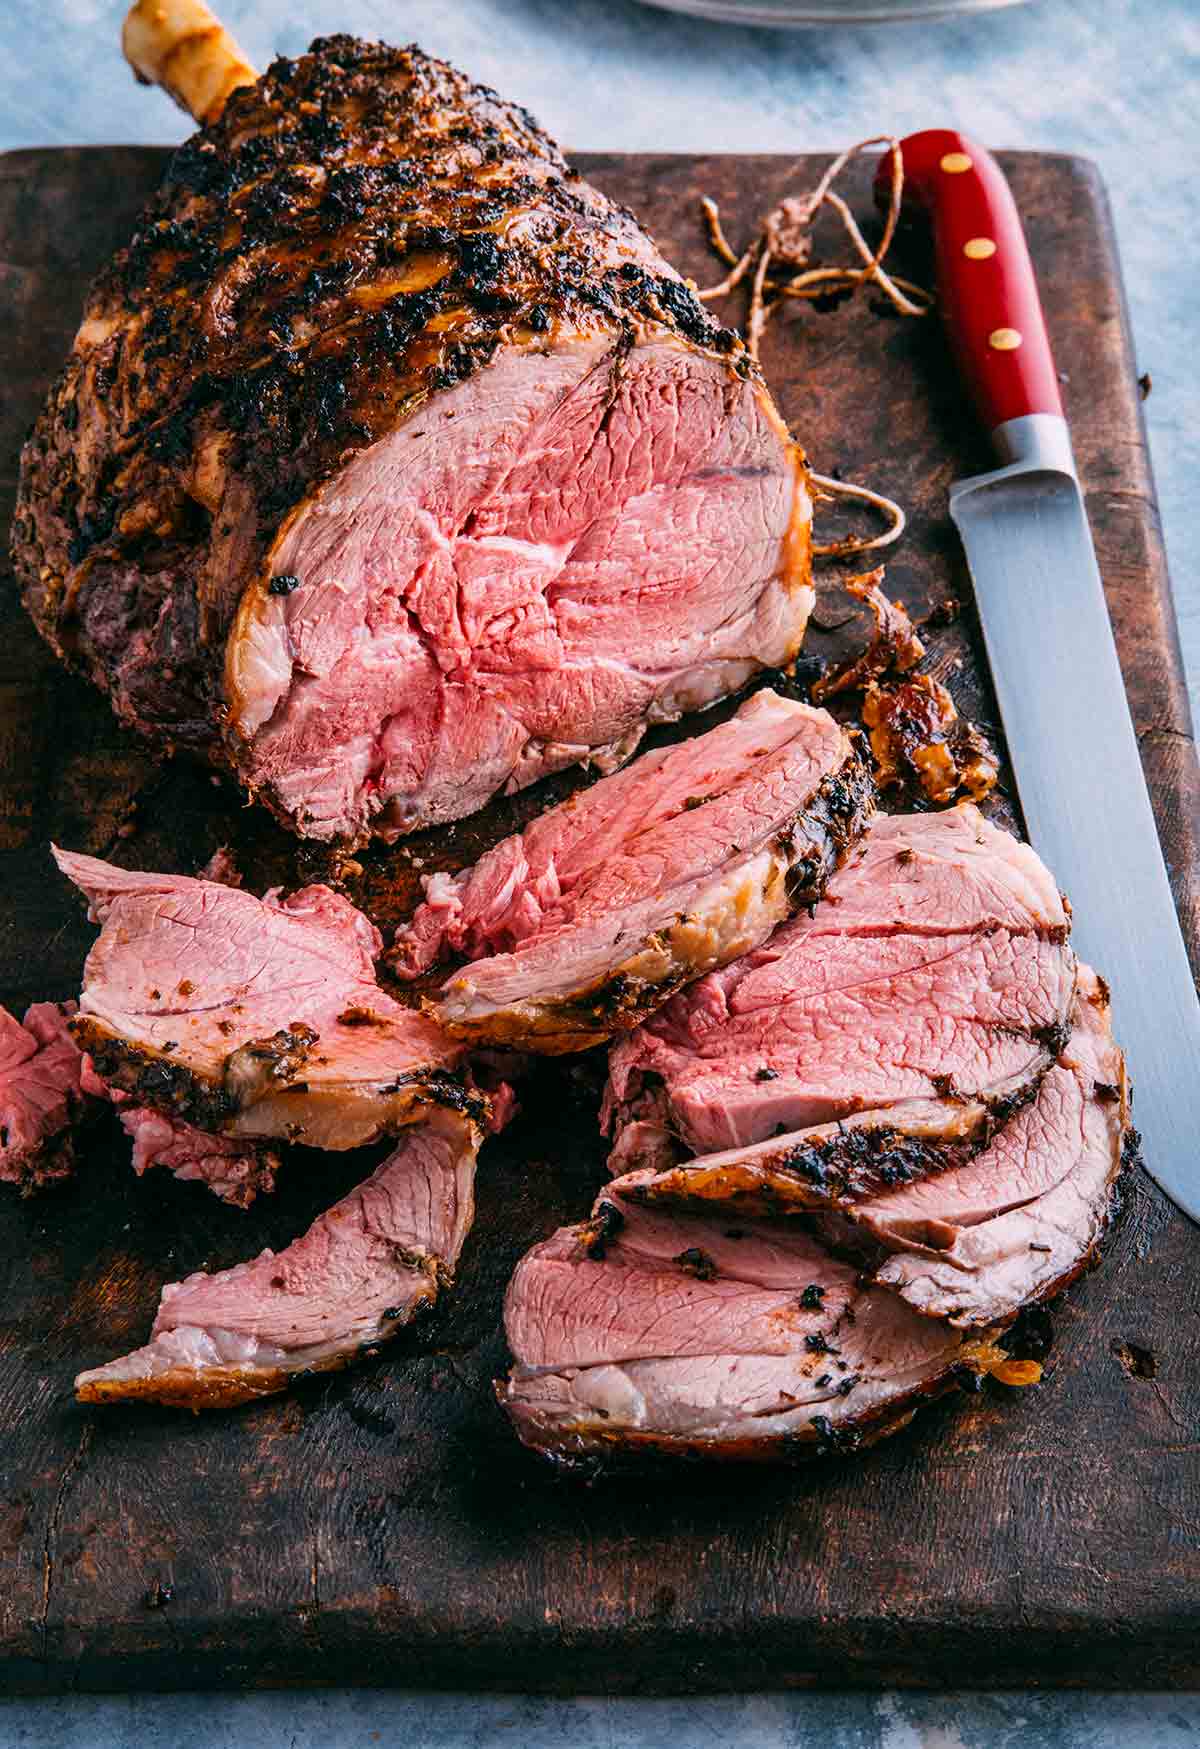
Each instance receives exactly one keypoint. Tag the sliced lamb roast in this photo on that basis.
(361, 1272)
(1024, 1217)
(651, 1332)
(393, 466)
(254, 1018)
(936, 967)
(969, 1214)
(589, 919)
(40, 1095)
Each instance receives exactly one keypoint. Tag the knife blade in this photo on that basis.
(1049, 641)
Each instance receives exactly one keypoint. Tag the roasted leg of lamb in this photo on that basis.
(392, 464)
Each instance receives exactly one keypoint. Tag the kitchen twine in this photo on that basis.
(784, 242)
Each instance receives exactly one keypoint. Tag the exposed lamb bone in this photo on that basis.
(362, 1271)
(588, 920)
(41, 1097)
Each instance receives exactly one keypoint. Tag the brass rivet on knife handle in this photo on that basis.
(1004, 339)
(979, 249)
(955, 163)
(181, 46)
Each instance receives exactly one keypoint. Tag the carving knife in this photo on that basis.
(1050, 645)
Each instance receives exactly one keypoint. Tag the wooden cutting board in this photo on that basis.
(382, 1526)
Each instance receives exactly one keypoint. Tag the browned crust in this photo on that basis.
(165, 1085)
(590, 1447)
(838, 1171)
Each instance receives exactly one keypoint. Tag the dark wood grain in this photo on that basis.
(383, 1526)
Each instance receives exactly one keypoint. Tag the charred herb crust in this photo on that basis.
(832, 823)
(172, 1088)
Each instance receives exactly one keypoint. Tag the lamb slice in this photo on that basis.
(463, 486)
(1022, 1218)
(587, 921)
(362, 1271)
(655, 1331)
(937, 966)
(41, 1098)
(254, 1018)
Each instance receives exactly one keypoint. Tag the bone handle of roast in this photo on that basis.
(181, 46)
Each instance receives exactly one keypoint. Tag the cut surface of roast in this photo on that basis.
(254, 1018)
(361, 1272)
(40, 1095)
(667, 1332)
(936, 968)
(394, 466)
(690, 856)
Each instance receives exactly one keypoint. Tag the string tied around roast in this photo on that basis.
(778, 265)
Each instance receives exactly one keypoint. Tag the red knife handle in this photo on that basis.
(985, 281)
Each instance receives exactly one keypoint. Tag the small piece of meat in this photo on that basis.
(588, 920)
(1023, 1217)
(654, 1332)
(894, 649)
(922, 745)
(234, 1170)
(936, 967)
(254, 1018)
(40, 1095)
(361, 1272)
(222, 867)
